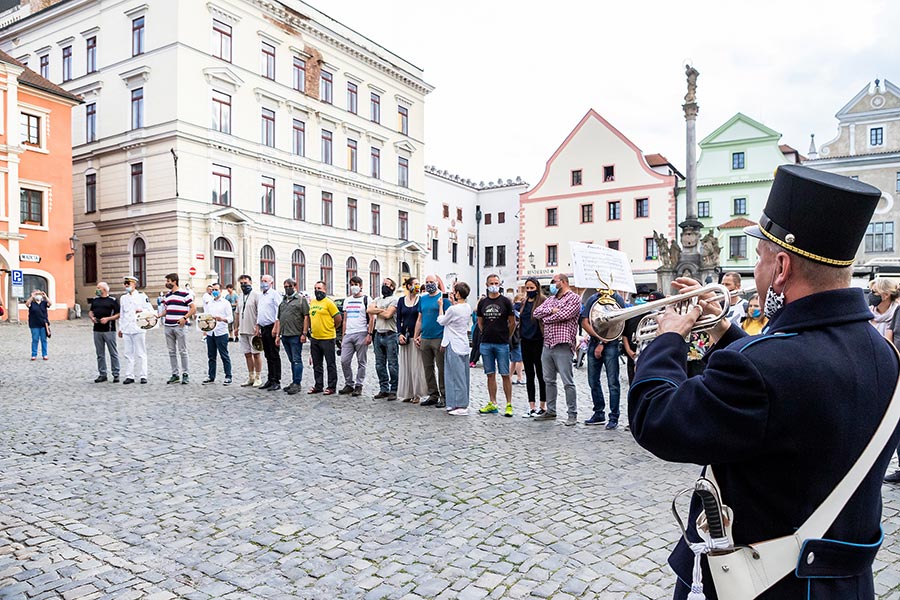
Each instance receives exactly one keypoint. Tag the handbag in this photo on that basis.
(47, 326)
(745, 572)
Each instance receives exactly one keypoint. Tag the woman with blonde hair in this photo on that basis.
(755, 321)
(883, 304)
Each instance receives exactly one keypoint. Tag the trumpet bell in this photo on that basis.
(605, 329)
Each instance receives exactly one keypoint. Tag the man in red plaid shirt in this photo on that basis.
(559, 314)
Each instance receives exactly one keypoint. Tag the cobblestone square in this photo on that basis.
(155, 491)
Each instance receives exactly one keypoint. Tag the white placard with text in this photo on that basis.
(612, 265)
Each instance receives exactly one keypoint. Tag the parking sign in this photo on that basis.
(18, 283)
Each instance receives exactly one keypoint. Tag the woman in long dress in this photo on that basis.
(411, 373)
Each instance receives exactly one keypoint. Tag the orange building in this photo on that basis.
(36, 233)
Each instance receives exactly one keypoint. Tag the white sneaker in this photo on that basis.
(529, 414)
(459, 412)
(258, 382)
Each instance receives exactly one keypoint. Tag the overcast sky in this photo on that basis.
(513, 78)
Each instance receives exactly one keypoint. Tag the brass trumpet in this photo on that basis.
(609, 321)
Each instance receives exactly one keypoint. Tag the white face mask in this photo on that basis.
(38, 298)
(354, 290)
(493, 289)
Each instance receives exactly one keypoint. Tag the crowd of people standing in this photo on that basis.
(426, 340)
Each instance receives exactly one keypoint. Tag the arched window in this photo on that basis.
(267, 261)
(35, 282)
(139, 261)
(375, 279)
(352, 270)
(404, 270)
(223, 261)
(298, 268)
(326, 273)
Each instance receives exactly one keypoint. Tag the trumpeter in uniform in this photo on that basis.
(781, 417)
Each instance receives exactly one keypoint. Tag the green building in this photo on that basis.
(734, 173)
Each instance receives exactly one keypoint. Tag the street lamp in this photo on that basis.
(73, 245)
(531, 259)
(478, 254)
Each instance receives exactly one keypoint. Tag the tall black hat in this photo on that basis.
(817, 215)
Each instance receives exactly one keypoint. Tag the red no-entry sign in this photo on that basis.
(192, 271)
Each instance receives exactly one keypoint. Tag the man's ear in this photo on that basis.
(784, 269)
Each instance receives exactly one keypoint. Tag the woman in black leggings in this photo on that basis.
(532, 346)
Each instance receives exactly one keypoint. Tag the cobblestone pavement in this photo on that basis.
(155, 491)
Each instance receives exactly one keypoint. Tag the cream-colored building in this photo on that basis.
(598, 187)
(867, 147)
(233, 136)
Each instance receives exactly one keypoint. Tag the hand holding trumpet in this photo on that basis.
(671, 320)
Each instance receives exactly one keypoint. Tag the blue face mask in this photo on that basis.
(756, 313)
(264, 286)
(553, 289)
(215, 293)
(640, 301)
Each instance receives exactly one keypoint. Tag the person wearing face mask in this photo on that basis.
(784, 416)
(532, 346)
(384, 311)
(324, 320)
(559, 313)
(883, 304)
(266, 317)
(103, 314)
(755, 321)
(428, 337)
(497, 321)
(248, 303)
(356, 336)
(38, 322)
(293, 322)
(131, 304)
(217, 339)
(410, 371)
(177, 310)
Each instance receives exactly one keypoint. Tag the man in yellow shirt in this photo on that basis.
(324, 319)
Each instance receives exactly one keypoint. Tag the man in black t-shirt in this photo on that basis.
(497, 322)
(104, 313)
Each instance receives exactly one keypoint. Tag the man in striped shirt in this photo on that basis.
(178, 308)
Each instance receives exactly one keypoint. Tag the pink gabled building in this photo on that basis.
(598, 187)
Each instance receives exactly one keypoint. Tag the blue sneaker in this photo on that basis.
(612, 424)
(596, 420)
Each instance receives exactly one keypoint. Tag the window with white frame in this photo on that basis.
(137, 108)
(880, 237)
(221, 112)
(31, 130)
(31, 207)
(221, 189)
(737, 247)
(90, 122)
(137, 183)
(221, 40)
(299, 74)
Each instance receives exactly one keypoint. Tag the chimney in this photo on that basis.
(812, 154)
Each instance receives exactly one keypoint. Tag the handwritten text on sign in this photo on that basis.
(613, 266)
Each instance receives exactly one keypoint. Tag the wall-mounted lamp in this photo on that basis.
(73, 245)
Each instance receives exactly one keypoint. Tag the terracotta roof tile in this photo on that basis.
(737, 223)
(32, 79)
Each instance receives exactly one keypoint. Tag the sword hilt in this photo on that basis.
(711, 507)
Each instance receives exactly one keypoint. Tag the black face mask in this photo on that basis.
(387, 291)
(246, 288)
(288, 290)
(532, 293)
(874, 299)
(320, 295)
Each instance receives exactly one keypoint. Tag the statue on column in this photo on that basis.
(692, 73)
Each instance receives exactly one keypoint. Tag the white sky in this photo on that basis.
(512, 78)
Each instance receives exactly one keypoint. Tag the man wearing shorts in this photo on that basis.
(497, 321)
(248, 300)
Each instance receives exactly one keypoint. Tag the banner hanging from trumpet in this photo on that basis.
(613, 267)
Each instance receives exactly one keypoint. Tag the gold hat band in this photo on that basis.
(805, 254)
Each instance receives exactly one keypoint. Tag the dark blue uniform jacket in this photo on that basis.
(781, 416)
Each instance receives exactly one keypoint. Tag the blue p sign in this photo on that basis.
(17, 277)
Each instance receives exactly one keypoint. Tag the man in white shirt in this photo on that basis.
(356, 337)
(217, 339)
(132, 303)
(738, 309)
(266, 316)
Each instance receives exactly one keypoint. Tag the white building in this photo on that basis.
(598, 187)
(454, 232)
(233, 136)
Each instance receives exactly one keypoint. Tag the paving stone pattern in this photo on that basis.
(157, 492)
